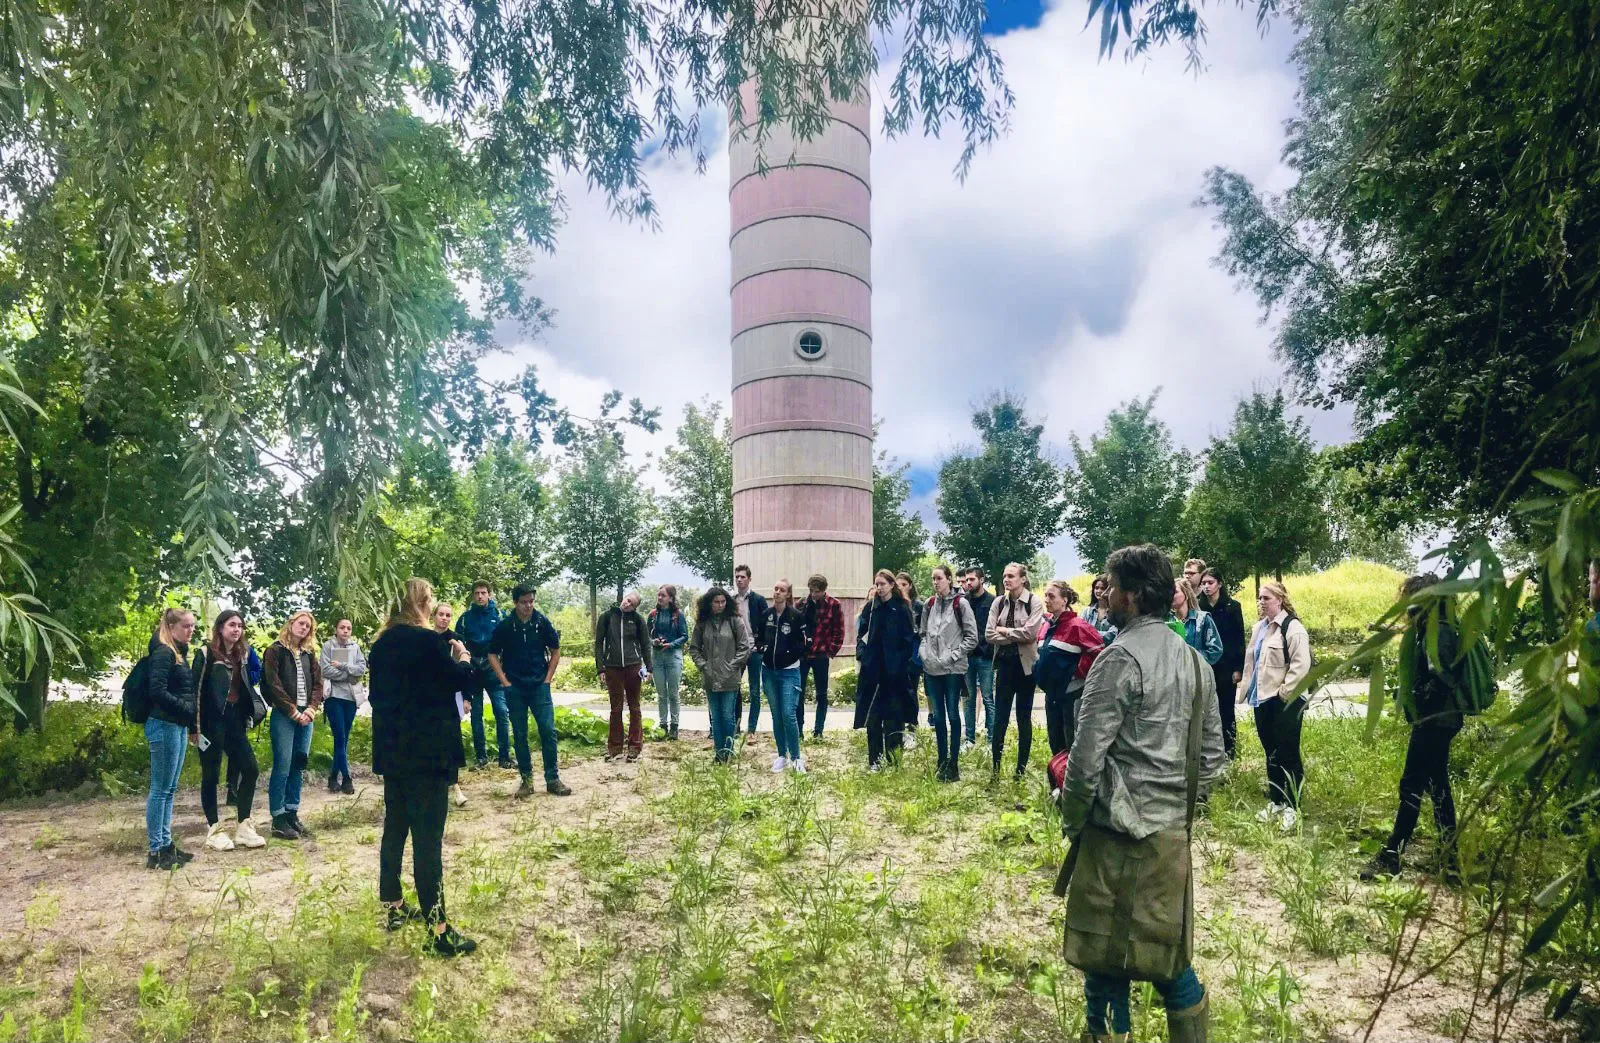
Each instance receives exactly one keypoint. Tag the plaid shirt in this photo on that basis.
(825, 620)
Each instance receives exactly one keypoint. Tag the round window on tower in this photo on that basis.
(810, 346)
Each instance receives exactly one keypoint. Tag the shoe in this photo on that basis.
(458, 797)
(153, 861)
(798, 765)
(525, 790)
(873, 769)
(217, 838)
(506, 765)
(611, 757)
(283, 828)
(400, 915)
(632, 756)
(778, 764)
(1270, 812)
(1289, 818)
(910, 742)
(451, 943)
(333, 783)
(178, 854)
(299, 827)
(1192, 1025)
(672, 734)
(480, 764)
(966, 747)
(245, 835)
(1385, 864)
(349, 787)
(558, 789)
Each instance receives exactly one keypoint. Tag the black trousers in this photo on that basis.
(233, 741)
(885, 735)
(1278, 726)
(414, 805)
(1061, 718)
(1427, 770)
(813, 667)
(1227, 692)
(1011, 684)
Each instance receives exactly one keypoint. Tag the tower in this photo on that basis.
(801, 250)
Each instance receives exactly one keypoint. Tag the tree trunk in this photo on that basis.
(32, 693)
(619, 593)
(1258, 584)
(594, 601)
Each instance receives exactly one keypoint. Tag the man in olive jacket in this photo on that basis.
(621, 650)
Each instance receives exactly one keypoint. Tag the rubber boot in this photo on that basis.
(1192, 1025)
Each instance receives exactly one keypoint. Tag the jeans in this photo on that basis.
(944, 712)
(233, 741)
(521, 699)
(1279, 729)
(414, 805)
(814, 668)
(668, 670)
(752, 671)
(1427, 771)
(168, 744)
(1010, 683)
(291, 747)
(623, 685)
(980, 676)
(1106, 995)
(724, 710)
(341, 714)
(783, 696)
(488, 684)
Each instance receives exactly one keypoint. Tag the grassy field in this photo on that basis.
(673, 900)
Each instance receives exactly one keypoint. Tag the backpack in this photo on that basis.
(136, 701)
(1283, 633)
(1478, 687)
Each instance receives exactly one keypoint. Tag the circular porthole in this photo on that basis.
(810, 345)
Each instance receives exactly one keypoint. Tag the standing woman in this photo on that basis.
(1014, 632)
(949, 636)
(1067, 648)
(416, 747)
(720, 647)
(167, 729)
(1278, 657)
(443, 617)
(1225, 612)
(294, 687)
(1199, 629)
(342, 666)
(908, 589)
(886, 643)
(668, 634)
(785, 643)
(227, 712)
(1098, 614)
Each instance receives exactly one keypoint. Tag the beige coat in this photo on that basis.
(1016, 624)
(1277, 678)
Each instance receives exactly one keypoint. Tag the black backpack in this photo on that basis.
(136, 693)
(1284, 634)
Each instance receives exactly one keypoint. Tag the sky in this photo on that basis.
(1071, 266)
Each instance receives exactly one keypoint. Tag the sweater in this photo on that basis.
(415, 727)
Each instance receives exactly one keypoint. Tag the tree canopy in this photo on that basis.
(698, 514)
(1127, 485)
(899, 537)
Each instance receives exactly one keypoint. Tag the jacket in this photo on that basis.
(341, 677)
(1272, 677)
(1068, 647)
(885, 643)
(621, 639)
(825, 624)
(1101, 621)
(980, 613)
(721, 647)
(753, 609)
(524, 649)
(1127, 767)
(476, 626)
(1432, 696)
(214, 684)
(1201, 633)
(278, 677)
(172, 684)
(784, 641)
(416, 729)
(949, 635)
(675, 633)
(1229, 618)
(1015, 624)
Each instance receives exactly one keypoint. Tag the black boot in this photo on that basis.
(299, 827)
(349, 786)
(1192, 1025)
(283, 828)
(1385, 863)
(178, 854)
(451, 943)
(333, 782)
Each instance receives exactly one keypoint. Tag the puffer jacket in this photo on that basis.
(949, 635)
(720, 648)
(172, 685)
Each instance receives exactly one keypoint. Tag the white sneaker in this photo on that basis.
(778, 764)
(1289, 818)
(799, 765)
(873, 769)
(1270, 812)
(217, 838)
(910, 741)
(966, 747)
(458, 795)
(246, 836)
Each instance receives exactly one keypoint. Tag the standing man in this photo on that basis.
(1194, 571)
(621, 649)
(523, 654)
(825, 625)
(476, 629)
(753, 610)
(980, 664)
(1137, 767)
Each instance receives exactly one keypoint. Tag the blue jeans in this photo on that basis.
(783, 697)
(752, 672)
(341, 714)
(1110, 995)
(521, 699)
(724, 707)
(168, 744)
(291, 748)
(980, 675)
(668, 671)
(490, 685)
(944, 713)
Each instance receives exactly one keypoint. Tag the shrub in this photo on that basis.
(80, 743)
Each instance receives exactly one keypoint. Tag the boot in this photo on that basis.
(283, 828)
(1385, 863)
(333, 782)
(349, 786)
(526, 790)
(299, 827)
(1192, 1025)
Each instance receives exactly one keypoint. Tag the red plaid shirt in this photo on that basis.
(826, 620)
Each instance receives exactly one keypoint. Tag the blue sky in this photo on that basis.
(1006, 15)
(1071, 266)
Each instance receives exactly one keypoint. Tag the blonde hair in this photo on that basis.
(1064, 588)
(433, 617)
(1022, 570)
(1198, 563)
(169, 619)
(1279, 591)
(1191, 597)
(414, 606)
(286, 635)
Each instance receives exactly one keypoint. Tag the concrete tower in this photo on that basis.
(802, 354)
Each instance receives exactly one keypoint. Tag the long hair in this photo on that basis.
(1191, 598)
(414, 606)
(1222, 588)
(1102, 581)
(169, 619)
(909, 582)
(671, 590)
(286, 637)
(1279, 591)
(894, 588)
(236, 655)
(703, 613)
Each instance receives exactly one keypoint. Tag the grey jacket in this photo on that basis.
(342, 677)
(720, 649)
(1126, 768)
(949, 634)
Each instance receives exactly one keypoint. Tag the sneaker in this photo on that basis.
(558, 789)
(798, 765)
(480, 764)
(299, 827)
(1270, 812)
(966, 747)
(506, 765)
(451, 943)
(245, 835)
(458, 797)
(1287, 820)
(672, 734)
(217, 838)
(611, 757)
(349, 787)
(333, 783)
(910, 741)
(178, 854)
(778, 764)
(400, 915)
(1385, 864)
(632, 756)
(525, 790)
(873, 769)
(283, 828)
(153, 861)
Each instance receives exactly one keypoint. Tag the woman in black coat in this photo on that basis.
(1225, 612)
(886, 640)
(416, 747)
